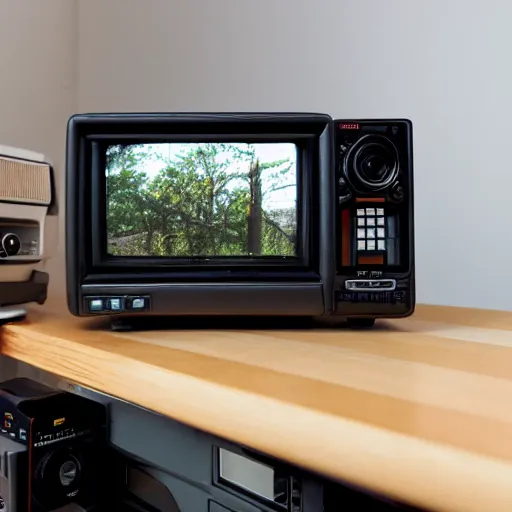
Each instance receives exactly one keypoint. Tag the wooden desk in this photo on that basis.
(420, 408)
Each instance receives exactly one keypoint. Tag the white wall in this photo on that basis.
(38, 48)
(37, 95)
(444, 64)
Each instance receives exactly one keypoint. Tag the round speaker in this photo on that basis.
(372, 163)
(57, 477)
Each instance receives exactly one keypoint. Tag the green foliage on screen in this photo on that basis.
(201, 200)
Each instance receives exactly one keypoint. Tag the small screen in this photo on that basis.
(202, 200)
(253, 477)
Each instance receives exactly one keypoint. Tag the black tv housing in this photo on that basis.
(308, 284)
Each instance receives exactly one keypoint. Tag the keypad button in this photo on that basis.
(360, 221)
(370, 233)
(361, 245)
(370, 221)
(360, 233)
(360, 213)
(370, 211)
(380, 221)
(381, 233)
(371, 245)
(381, 245)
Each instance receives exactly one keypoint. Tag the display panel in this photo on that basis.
(257, 480)
(202, 200)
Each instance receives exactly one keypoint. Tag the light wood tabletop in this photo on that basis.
(419, 408)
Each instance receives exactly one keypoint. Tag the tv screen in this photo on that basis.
(202, 200)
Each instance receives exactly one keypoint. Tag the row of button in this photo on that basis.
(370, 245)
(117, 304)
(371, 233)
(370, 221)
(370, 212)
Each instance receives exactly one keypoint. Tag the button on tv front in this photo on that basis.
(115, 304)
(138, 303)
(96, 305)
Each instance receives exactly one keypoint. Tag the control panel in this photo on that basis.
(374, 225)
(117, 304)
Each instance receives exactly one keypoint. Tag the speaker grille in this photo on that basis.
(25, 182)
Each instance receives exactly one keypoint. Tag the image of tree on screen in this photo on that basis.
(191, 200)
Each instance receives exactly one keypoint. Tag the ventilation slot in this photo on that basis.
(25, 182)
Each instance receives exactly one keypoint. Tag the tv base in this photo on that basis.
(121, 325)
(170, 322)
(360, 323)
(185, 322)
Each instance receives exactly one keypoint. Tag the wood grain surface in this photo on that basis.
(418, 408)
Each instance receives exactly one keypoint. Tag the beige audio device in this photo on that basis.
(26, 198)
